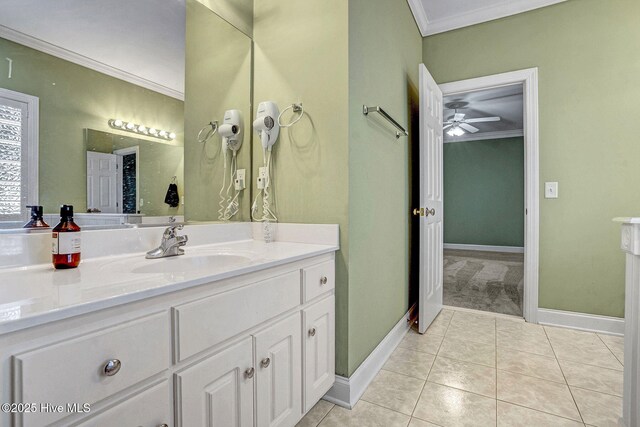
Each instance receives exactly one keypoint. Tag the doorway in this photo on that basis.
(483, 214)
(431, 245)
(113, 181)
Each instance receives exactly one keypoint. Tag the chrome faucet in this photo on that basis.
(170, 245)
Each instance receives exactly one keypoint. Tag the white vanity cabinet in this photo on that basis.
(255, 349)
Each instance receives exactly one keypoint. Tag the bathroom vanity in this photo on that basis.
(236, 332)
(630, 244)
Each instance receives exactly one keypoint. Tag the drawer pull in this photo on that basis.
(249, 373)
(312, 332)
(163, 425)
(112, 367)
(265, 362)
(323, 280)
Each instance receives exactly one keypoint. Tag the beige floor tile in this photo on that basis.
(467, 318)
(316, 414)
(466, 376)
(519, 326)
(364, 414)
(417, 422)
(517, 416)
(615, 344)
(410, 362)
(535, 393)
(587, 352)
(426, 343)
(592, 377)
(479, 332)
(536, 344)
(394, 391)
(441, 323)
(530, 364)
(597, 409)
(576, 337)
(448, 406)
(468, 351)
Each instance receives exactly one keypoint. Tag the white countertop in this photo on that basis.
(38, 294)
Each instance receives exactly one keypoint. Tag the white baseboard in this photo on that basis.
(581, 321)
(347, 391)
(485, 248)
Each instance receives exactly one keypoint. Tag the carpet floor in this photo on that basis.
(488, 281)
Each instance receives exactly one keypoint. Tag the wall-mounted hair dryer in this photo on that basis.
(231, 130)
(232, 133)
(266, 123)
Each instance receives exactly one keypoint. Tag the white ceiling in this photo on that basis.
(142, 39)
(438, 16)
(505, 102)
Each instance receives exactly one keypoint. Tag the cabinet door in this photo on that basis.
(319, 349)
(279, 373)
(149, 408)
(218, 391)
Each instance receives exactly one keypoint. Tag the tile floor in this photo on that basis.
(471, 369)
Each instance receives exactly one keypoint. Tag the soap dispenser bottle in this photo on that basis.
(36, 218)
(66, 240)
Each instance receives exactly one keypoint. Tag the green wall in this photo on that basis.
(384, 53)
(217, 78)
(74, 98)
(301, 55)
(588, 90)
(484, 192)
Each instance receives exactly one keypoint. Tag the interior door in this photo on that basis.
(430, 210)
(102, 192)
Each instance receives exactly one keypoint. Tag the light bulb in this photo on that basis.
(458, 131)
(172, 135)
(130, 126)
(163, 133)
(117, 123)
(153, 131)
(142, 129)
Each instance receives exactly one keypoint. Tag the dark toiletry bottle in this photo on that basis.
(66, 240)
(36, 218)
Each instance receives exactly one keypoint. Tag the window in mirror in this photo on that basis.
(18, 154)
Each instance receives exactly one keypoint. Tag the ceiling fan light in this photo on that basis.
(456, 131)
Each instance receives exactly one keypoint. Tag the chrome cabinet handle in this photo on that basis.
(265, 362)
(323, 280)
(249, 373)
(312, 332)
(163, 425)
(112, 367)
(428, 211)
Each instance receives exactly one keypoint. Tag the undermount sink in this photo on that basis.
(178, 264)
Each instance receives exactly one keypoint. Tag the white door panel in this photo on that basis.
(102, 192)
(431, 202)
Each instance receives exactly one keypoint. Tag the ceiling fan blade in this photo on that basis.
(447, 126)
(469, 128)
(458, 117)
(483, 119)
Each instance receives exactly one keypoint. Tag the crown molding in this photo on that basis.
(484, 135)
(506, 8)
(76, 58)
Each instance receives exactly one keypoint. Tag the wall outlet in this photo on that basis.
(263, 178)
(551, 190)
(240, 182)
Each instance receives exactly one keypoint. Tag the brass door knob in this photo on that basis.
(418, 212)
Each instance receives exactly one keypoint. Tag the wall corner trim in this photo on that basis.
(582, 321)
(347, 391)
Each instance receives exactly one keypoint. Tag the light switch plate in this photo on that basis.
(551, 190)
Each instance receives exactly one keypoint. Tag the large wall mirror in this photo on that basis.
(113, 95)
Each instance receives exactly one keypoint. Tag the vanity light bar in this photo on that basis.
(141, 129)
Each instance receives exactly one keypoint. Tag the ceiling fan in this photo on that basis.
(458, 124)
